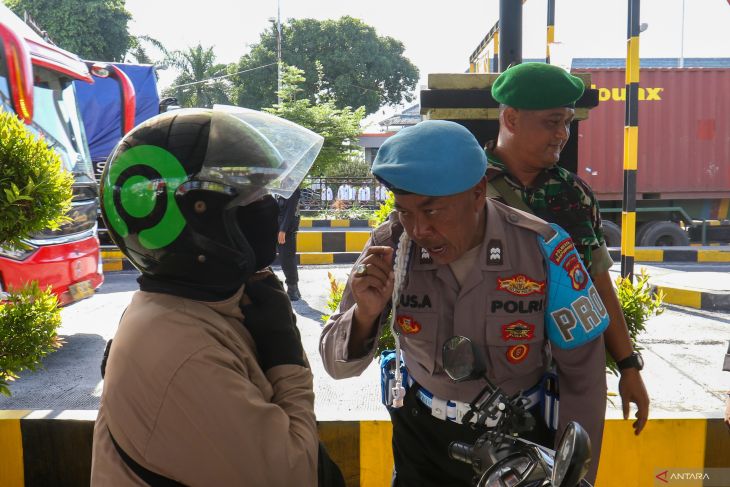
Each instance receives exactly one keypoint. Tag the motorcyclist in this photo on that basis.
(206, 380)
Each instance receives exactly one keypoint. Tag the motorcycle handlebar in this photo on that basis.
(462, 452)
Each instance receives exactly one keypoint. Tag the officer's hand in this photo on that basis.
(282, 238)
(271, 322)
(372, 289)
(727, 411)
(631, 388)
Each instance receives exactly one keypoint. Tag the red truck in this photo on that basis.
(36, 83)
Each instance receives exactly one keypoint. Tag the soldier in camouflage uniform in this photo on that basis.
(537, 106)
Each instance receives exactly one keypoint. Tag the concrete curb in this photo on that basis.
(309, 223)
(692, 298)
(42, 448)
(658, 254)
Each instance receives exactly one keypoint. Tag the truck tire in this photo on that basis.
(611, 233)
(663, 234)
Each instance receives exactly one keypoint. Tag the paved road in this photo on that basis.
(684, 349)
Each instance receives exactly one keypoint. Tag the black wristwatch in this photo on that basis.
(634, 361)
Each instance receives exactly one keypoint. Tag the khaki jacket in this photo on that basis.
(184, 396)
(500, 307)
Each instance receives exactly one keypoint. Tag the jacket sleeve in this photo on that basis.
(582, 385)
(290, 212)
(335, 337)
(243, 436)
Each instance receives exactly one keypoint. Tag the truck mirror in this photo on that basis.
(126, 88)
(19, 71)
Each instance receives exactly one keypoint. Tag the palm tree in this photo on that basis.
(196, 85)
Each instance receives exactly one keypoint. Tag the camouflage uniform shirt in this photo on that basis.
(559, 196)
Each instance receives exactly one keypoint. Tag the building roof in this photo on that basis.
(409, 116)
(618, 63)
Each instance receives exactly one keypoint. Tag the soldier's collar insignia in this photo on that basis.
(425, 257)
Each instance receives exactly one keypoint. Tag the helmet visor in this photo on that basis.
(257, 153)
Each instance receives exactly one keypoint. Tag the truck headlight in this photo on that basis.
(18, 253)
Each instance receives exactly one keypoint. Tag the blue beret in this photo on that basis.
(432, 158)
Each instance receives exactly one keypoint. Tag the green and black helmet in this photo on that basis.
(186, 195)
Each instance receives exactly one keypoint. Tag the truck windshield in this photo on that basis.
(56, 118)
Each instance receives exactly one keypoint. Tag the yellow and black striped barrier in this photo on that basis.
(550, 29)
(47, 448)
(310, 223)
(315, 248)
(631, 142)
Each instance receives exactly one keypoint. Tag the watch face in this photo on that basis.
(639, 360)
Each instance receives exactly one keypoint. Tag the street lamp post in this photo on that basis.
(278, 51)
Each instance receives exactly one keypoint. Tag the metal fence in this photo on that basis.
(324, 193)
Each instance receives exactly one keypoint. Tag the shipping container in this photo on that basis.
(684, 134)
(684, 143)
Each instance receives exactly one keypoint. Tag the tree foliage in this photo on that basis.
(35, 191)
(340, 127)
(93, 29)
(194, 87)
(360, 68)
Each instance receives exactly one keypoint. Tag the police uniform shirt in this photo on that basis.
(499, 306)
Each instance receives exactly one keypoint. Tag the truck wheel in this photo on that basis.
(611, 233)
(663, 234)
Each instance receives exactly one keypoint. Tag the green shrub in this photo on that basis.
(35, 191)
(385, 209)
(354, 212)
(335, 295)
(385, 341)
(638, 305)
(29, 319)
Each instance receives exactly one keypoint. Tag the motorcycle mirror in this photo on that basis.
(462, 360)
(572, 456)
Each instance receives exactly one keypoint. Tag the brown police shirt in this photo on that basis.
(499, 306)
(185, 397)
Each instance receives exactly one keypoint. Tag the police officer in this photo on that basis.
(206, 380)
(537, 109)
(475, 268)
(287, 240)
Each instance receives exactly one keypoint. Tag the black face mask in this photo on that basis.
(259, 223)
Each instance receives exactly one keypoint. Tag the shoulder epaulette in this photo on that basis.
(524, 220)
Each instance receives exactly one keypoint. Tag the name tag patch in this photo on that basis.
(521, 285)
(518, 330)
(517, 353)
(408, 325)
(415, 301)
(523, 307)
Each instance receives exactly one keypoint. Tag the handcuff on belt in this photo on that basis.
(454, 411)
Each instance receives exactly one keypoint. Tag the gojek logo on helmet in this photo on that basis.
(140, 195)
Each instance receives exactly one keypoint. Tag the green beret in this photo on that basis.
(537, 86)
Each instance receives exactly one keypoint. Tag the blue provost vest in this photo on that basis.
(574, 314)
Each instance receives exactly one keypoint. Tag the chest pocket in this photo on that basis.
(514, 345)
(419, 331)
